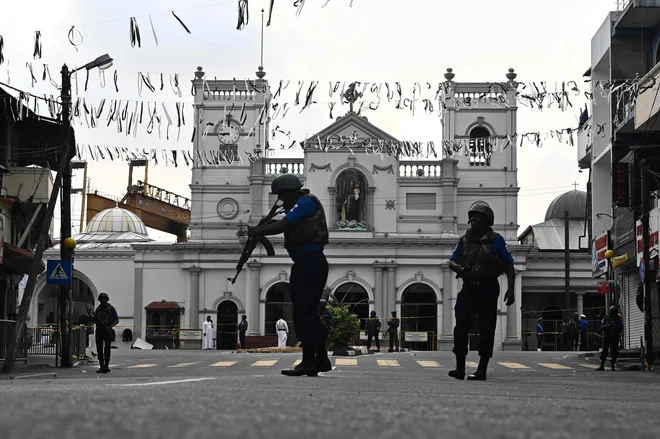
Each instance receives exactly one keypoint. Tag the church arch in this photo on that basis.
(419, 278)
(352, 278)
(44, 303)
(356, 297)
(227, 322)
(352, 165)
(484, 129)
(419, 312)
(282, 277)
(278, 306)
(236, 300)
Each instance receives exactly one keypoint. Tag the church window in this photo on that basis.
(351, 202)
(480, 148)
(422, 201)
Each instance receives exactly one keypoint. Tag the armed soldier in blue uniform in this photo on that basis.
(305, 236)
(105, 317)
(480, 257)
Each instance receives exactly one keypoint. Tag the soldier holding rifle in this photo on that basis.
(305, 235)
(105, 317)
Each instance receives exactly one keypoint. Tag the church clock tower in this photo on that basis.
(231, 131)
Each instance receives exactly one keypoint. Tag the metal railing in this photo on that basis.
(7, 328)
(620, 6)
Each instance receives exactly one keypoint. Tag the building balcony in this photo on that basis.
(635, 14)
(419, 169)
(648, 101)
(585, 143)
(623, 99)
(275, 166)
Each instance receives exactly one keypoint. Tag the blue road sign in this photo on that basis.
(642, 271)
(58, 272)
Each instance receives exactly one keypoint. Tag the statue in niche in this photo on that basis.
(351, 200)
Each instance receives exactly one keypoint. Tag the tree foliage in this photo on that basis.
(345, 325)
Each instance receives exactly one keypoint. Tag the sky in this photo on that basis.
(347, 40)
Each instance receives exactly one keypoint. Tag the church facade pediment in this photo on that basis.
(347, 131)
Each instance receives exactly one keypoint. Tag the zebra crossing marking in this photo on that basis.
(590, 366)
(142, 366)
(388, 363)
(428, 363)
(514, 365)
(346, 362)
(554, 366)
(297, 362)
(264, 363)
(471, 364)
(223, 364)
(182, 365)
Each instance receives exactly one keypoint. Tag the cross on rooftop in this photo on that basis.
(576, 185)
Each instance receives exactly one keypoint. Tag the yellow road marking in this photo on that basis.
(264, 363)
(553, 366)
(345, 361)
(297, 362)
(182, 365)
(223, 364)
(388, 363)
(428, 363)
(141, 366)
(471, 364)
(590, 366)
(514, 365)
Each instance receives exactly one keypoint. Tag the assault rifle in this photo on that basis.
(251, 243)
(100, 324)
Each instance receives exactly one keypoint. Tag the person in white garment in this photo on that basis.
(282, 331)
(207, 333)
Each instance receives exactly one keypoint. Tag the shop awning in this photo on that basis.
(17, 260)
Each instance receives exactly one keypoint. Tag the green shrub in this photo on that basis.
(345, 325)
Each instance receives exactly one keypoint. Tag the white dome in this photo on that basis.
(116, 220)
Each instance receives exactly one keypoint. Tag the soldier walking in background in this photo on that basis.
(480, 257)
(392, 331)
(372, 330)
(612, 326)
(105, 317)
(539, 334)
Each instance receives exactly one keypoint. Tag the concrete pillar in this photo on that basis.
(391, 288)
(379, 293)
(580, 303)
(386, 294)
(138, 306)
(193, 306)
(448, 300)
(254, 308)
(513, 339)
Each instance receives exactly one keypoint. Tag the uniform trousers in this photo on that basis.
(309, 275)
(476, 300)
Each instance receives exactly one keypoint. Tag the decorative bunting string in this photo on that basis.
(134, 33)
(243, 14)
(71, 35)
(37, 45)
(181, 22)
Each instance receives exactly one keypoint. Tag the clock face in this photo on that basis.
(229, 133)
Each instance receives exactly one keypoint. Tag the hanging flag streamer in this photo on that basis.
(71, 35)
(243, 14)
(135, 33)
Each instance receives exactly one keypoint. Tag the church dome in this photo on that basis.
(574, 201)
(116, 220)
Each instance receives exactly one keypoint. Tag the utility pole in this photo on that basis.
(567, 263)
(648, 328)
(65, 225)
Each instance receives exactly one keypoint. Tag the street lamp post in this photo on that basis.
(66, 300)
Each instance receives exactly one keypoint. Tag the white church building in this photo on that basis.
(388, 248)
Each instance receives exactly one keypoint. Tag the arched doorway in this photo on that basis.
(227, 323)
(356, 297)
(48, 303)
(279, 306)
(419, 312)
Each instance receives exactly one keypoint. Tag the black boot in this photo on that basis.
(459, 371)
(613, 363)
(101, 366)
(602, 364)
(322, 362)
(480, 374)
(306, 366)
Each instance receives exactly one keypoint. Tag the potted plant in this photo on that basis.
(345, 326)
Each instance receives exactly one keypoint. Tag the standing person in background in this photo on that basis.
(539, 334)
(242, 328)
(282, 332)
(207, 333)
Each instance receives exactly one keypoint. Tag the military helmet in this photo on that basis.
(613, 310)
(103, 295)
(286, 183)
(483, 208)
(373, 313)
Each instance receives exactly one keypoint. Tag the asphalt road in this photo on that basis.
(187, 394)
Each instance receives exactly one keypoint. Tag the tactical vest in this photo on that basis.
(478, 257)
(312, 231)
(105, 314)
(373, 325)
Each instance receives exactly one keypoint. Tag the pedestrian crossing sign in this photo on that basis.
(58, 272)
